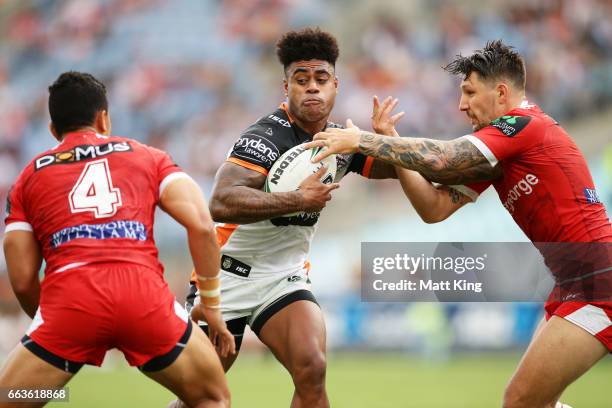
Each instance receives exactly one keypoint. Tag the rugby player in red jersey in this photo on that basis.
(541, 178)
(86, 207)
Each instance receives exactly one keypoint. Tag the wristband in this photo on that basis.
(207, 278)
(211, 302)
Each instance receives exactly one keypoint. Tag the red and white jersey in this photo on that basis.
(546, 184)
(91, 199)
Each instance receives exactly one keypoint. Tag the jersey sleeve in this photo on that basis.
(505, 137)
(255, 150)
(361, 164)
(16, 218)
(472, 190)
(166, 170)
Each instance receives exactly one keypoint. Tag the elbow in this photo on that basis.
(432, 217)
(218, 210)
(204, 227)
(208, 231)
(431, 220)
(23, 287)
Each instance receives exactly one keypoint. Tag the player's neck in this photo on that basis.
(83, 129)
(516, 102)
(513, 104)
(312, 128)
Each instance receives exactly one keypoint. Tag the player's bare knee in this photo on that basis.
(310, 372)
(516, 396)
(217, 402)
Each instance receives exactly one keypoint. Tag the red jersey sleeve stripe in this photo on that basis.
(18, 226)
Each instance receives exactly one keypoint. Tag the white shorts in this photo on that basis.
(257, 299)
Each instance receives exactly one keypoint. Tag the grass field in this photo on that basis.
(354, 381)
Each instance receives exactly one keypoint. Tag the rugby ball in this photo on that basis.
(288, 172)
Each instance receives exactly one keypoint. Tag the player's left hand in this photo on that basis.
(219, 335)
(336, 141)
(382, 121)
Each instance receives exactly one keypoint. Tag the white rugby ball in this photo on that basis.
(288, 172)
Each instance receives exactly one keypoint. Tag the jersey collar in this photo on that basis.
(71, 136)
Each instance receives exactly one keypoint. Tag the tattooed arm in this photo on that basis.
(237, 196)
(456, 161)
(433, 204)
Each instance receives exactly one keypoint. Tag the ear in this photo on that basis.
(502, 91)
(286, 87)
(54, 132)
(336, 83)
(102, 123)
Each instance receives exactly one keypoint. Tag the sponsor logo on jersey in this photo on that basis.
(511, 125)
(523, 187)
(234, 266)
(591, 196)
(294, 278)
(302, 220)
(258, 148)
(284, 164)
(328, 180)
(133, 230)
(342, 161)
(281, 121)
(83, 152)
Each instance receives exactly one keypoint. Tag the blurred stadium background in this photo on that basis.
(188, 76)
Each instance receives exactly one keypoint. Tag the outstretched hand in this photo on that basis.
(336, 141)
(382, 121)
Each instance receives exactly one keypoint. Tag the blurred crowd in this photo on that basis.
(188, 75)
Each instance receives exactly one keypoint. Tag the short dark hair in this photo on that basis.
(307, 44)
(496, 60)
(74, 100)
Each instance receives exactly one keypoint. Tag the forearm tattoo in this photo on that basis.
(456, 161)
(455, 196)
(245, 205)
(238, 198)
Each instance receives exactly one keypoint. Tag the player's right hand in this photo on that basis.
(315, 194)
(219, 335)
(383, 122)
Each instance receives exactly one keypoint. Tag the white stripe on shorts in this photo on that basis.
(591, 318)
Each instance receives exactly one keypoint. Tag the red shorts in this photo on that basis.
(86, 311)
(594, 317)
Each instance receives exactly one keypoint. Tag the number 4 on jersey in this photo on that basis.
(94, 191)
